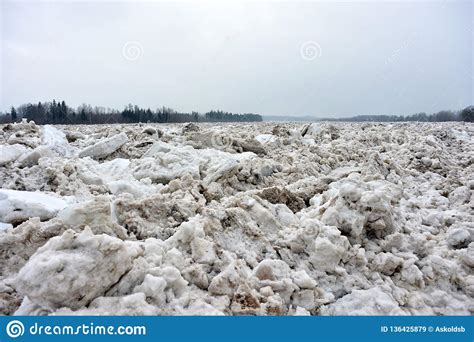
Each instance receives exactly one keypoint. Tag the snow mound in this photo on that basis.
(80, 267)
(237, 219)
(18, 206)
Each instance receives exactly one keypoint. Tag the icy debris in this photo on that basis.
(371, 302)
(319, 219)
(17, 245)
(80, 267)
(190, 127)
(10, 153)
(154, 288)
(272, 270)
(307, 188)
(226, 282)
(299, 311)
(73, 136)
(24, 133)
(153, 131)
(460, 195)
(361, 209)
(164, 162)
(203, 251)
(130, 305)
(325, 255)
(303, 280)
(200, 308)
(56, 141)
(18, 206)
(265, 138)
(252, 145)
(310, 129)
(221, 170)
(245, 301)
(460, 237)
(5, 226)
(387, 263)
(468, 255)
(105, 147)
(157, 215)
(97, 214)
(115, 176)
(277, 195)
(31, 158)
(281, 131)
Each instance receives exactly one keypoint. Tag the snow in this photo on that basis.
(237, 219)
(105, 147)
(369, 302)
(265, 138)
(10, 153)
(56, 141)
(80, 266)
(18, 206)
(33, 157)
(5, 226)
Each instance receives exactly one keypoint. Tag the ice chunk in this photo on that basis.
(5, 226)
(369, 302)
(272, 270)
(10, 153)
(31, 158)
(303, 280)
(164, 162)
(326, 255)
(18, 206)
(56, 141)
(131, 305)
(105, 147)
(153, 287)
(459, 237)
(203, 251)
(265, 138)
(72, 269)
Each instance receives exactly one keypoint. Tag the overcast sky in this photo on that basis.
(326, 59)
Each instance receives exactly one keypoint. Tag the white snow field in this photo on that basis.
(237, 219)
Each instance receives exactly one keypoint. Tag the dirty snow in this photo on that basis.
(237, 219)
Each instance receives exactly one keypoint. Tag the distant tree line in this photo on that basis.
(467, 114)
(60, 113)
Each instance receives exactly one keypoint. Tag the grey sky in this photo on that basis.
(370, 58)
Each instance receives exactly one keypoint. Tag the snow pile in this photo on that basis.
(55, 140)
(10, 153)
(19, 206)
(237, 219)
(81, 267)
